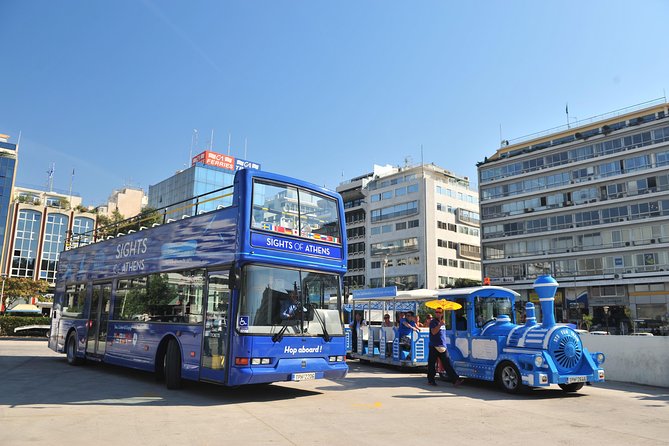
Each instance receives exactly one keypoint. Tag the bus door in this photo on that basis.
(96, 336)
(216, 327)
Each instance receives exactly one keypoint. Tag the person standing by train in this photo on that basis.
(438, 350)
(356, 323)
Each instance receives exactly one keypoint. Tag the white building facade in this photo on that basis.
(128, 201)
(411, 227)
(588, 204)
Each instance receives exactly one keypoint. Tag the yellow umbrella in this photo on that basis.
(443, 304)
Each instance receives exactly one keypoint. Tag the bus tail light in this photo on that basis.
(241, 361)
(259, 361)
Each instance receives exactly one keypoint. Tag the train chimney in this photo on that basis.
(546, 286)
(530, 318)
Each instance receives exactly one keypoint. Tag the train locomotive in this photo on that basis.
(485, 343)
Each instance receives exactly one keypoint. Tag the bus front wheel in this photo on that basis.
(172, 365)
(71, 350)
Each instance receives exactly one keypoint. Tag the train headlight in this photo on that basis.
(538, 361)
(600, 358)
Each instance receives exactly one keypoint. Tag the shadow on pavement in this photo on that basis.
(40, 381)
(417, 378)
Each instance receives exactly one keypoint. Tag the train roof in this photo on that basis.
(409, 295)
(490, 291)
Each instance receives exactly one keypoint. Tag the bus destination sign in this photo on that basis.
(294, 246)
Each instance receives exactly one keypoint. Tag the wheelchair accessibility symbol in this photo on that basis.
(243, 323)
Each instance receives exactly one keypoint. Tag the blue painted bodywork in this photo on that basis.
(480, 352)
(212, 241)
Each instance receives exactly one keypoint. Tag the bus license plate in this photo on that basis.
(304, 376)
(576, 379)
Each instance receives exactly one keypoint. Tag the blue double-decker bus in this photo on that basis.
(236, 295)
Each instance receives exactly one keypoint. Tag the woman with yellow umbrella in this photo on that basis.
(438, 342)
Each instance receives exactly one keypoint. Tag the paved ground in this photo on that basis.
(43, 400)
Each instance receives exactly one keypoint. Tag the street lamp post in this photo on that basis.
(606, 316)
(385, 262)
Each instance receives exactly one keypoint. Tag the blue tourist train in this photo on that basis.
(484, 342)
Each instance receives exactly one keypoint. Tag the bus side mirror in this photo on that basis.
(234, 278)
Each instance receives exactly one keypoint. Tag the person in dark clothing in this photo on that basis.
(357, 322)
(438, 350)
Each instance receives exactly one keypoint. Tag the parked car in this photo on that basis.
(598, 332)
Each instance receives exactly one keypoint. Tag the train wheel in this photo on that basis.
(573, 387)
(172, 365)
(508, 377)
(71, 350)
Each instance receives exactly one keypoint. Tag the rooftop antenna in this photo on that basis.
(193, 141)
(71, 181)
(229, 141)
(566, 110)
(211, 141)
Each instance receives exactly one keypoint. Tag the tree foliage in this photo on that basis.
(22, 287)
(466, 283)
(116, 223)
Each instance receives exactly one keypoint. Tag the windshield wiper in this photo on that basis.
(278, 336)
(326, 335)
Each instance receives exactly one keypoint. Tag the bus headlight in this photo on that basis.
(538, 361)
(600, 358)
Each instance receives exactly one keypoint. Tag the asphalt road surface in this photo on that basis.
(45, 401)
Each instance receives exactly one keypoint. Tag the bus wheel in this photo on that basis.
(172, 365)
(573, 387)
(508, 377)
(71, 350)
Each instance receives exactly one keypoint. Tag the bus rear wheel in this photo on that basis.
(508, 377)
(71, 350)
(172, 365)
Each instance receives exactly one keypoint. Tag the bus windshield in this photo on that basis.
(293, 211)
(273, 298)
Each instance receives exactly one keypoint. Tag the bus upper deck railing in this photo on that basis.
(197, 205)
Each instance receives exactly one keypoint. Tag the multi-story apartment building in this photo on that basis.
(209, 171)
(39, 226)
(411, 226)
(128, 201)
(8, 157)
(589, 204)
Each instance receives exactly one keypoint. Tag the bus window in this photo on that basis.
(75, 299)
(285, 210)
(318, 215)
(167, 297)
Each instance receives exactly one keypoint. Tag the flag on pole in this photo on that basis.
(566, 109)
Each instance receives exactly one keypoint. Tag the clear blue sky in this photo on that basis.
(321, 90)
